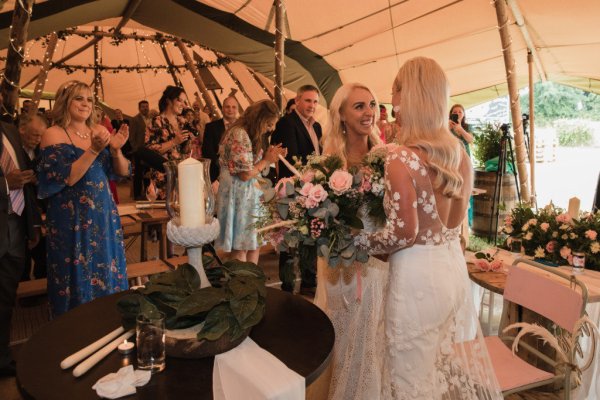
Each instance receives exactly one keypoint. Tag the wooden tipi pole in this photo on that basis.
(9, 88)
(279, 52)
(43, 74)
(531, 129)
(201, 86)
(513, 94)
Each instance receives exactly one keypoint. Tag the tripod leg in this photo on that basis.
(512, 161)
(497, 189)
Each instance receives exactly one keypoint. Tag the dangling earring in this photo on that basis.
(343, 128)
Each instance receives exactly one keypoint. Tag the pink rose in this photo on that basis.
(365, 186)
(565, 252)
(306, 189)
(508, 220)
(590, 234)
(544, 226)
(316, 195)
(308, 176)
(496, 265)
(563, 218)
(280, 187)
(550, 246)
(482, 264)
(340, 181)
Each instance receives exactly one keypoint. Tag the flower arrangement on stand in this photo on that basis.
(552, 235)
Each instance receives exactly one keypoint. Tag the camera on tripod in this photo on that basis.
(505, 128)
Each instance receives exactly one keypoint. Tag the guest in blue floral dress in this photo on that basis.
(86, 258)
(167, 137)
(241, 161)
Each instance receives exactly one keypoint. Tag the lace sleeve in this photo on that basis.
(400, 204)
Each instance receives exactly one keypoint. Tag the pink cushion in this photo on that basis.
(511, 371)
(545, 294)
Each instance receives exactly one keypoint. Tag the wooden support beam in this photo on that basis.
(170, 65)
(513, 94)
(514, 6)
(43, 74)
(238, 83)
(279, 53)
(261, 83)
(97, 77)
(9, 88)
(215, 113)
(531, 130)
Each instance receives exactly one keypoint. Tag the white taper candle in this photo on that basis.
(100, 354)
(86, 351)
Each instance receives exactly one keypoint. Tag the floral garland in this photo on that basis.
(553, 235)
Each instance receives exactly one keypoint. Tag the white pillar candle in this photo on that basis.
(574, 204)
(191, 193)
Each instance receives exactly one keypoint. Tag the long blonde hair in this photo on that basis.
(64, 96)
(254, 121)
(423, 112)
(334, 140)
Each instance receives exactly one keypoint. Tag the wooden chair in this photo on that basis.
(556, 296)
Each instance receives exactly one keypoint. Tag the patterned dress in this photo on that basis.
(161, 132)
(86, 258)
(238, 202)
(432, 350)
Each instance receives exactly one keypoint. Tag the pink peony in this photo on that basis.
(565, 252)
(544, 226)
(308, 176)
(550, 246)
(340, 181)
(306, 189)
(280, 187)
(590, 234)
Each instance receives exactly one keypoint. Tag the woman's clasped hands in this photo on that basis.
(273, 152)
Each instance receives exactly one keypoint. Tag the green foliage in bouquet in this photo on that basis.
(486, 139)
(234, 303)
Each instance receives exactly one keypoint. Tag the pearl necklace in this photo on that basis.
(84, 136)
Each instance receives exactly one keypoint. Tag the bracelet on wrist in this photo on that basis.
(94, 152)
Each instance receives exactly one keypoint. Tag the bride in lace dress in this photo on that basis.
(352, 297)
(430, 350)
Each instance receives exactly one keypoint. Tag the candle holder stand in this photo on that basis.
(193, 239)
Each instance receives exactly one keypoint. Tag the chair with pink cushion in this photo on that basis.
(559, 297)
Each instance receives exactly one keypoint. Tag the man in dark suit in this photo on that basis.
(19, 228)
(31, 129)
(300, 134)
(213, 132)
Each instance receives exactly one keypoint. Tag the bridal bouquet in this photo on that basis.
(372, 185)
(318, 207)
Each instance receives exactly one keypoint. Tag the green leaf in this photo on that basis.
(268, 194)
(289, 189)
(242, 286)
(201, 301)
(333, 209)
(216, 324)
(324, 251)
(256, 316)
(282, 209)
(243, 307)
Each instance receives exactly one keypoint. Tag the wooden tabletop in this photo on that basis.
(496, 281)
(293, 329)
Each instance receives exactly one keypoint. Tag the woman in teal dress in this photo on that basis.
(241, 160)
(86, 258)
(460, 128)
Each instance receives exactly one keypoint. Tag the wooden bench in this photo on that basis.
(135, 271)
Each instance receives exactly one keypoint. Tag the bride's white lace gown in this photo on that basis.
(431, 351)
(355, 306)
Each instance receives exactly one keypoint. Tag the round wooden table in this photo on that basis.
(293, 329)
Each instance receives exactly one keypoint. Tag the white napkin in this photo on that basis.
(248, 372)
(122, 383)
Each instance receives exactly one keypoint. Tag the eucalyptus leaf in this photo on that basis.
(289, 189)
(333, 209)
(362, 256)
(334, 261)
(324, 250)
(282, 209)
(268, 194)
(321, 213)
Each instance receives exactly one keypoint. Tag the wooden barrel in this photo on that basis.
(482, 204)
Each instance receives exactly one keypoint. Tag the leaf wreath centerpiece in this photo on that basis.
(232, 305)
